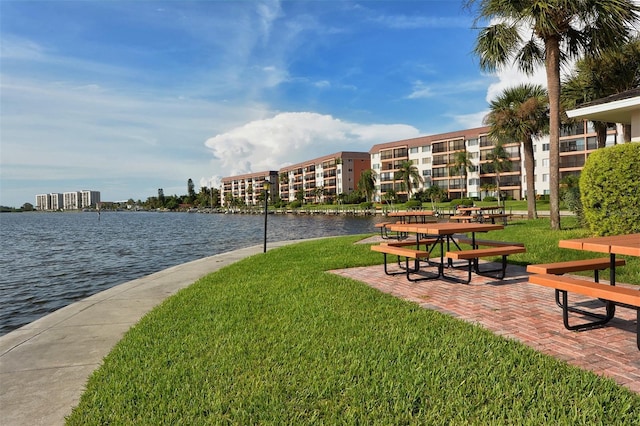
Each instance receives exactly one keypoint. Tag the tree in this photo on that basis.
(408, 175)
(520, 114)
(499, 162)
(488, 187)
(319, 193)
(161, 199)
(367, 183)
(550, 32)
(191, 192)
(462, 163)
(615, 71)
(436, 194)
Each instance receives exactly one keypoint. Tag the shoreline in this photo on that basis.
(44, 365)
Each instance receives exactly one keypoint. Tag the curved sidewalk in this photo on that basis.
(44, 365)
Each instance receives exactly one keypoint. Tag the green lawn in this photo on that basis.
(274, 339)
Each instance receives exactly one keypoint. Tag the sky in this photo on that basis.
(126, 97)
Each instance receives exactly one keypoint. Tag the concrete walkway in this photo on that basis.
(44, 365)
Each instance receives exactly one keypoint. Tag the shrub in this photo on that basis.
(295, 204)
(610, 190)
(366, 205)
(571, 198)
(490, 198)
(466, 202)
(412, 204)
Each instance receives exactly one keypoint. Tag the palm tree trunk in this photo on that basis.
(529, 167)
(552, 65)
(601, 131)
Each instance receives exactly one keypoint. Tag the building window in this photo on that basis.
(545, 147)
(426, 148)
(426, 173)
(426, 160)
(545, 162)
(473, 142)
(474, 181)
(413, 150)
(545, 177)
(376, 166)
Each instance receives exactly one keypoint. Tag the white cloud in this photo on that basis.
(511, 76)
(420, 91)
(293, 137)
(470, 121)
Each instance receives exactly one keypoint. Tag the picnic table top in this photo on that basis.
(412, 213)
(444, 228)
(628, 244)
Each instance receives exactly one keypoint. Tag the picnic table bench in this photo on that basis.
(473, 255)
(549, 275)
(407, 254)
(627, 297)
(384, 231)
(493, 216)
(560, 268)
(462, 218)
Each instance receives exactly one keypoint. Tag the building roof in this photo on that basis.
(259, 175)
(341, 154)
(428, 140)
(616, 108)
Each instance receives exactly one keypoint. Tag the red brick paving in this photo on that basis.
(525, 312)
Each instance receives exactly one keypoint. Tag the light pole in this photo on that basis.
(265, 186)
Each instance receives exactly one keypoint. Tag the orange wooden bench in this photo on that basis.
(407, 254)
(612, 295)
(559, 268)
(473, 255)
(462, 218)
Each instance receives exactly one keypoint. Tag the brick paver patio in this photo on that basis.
(524, 312)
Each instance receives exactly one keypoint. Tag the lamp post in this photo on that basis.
(265, 185)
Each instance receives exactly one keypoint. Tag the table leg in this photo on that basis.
(612, 268)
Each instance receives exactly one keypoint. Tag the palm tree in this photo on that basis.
(462, 163)
(367, 183)
(319, 193)
(408, 175)
(615, 71)
(488, 187)
(499, 161)
(436, 194)
(550, 32)
(520, 114)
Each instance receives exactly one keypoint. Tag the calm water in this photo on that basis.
(49, 260)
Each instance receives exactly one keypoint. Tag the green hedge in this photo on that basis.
(610, 190)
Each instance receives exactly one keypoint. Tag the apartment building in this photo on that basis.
(323, 179)
(247, 189)
(434, 158)
(74, 200)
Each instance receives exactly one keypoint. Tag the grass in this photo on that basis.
(274, 339)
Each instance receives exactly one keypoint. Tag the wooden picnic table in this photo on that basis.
(548, 275)
(628, 244)
(465, 214)
(418, 216)
(444, 232)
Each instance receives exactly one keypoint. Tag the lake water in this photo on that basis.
(50, 260)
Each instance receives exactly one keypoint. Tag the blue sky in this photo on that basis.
(126, 97)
